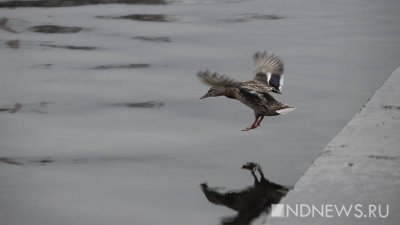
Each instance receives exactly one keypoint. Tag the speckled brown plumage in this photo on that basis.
(253, 93)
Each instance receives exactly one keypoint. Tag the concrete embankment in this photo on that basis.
(358, 171)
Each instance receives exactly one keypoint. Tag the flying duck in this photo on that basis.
(253, 93)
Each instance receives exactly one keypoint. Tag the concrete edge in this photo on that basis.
(360, 165)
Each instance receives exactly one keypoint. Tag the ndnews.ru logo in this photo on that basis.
(330, 210)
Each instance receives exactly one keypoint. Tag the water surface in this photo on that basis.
(104, 125)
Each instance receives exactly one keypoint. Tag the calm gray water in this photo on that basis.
(109, 128)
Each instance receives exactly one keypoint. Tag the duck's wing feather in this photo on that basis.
(280, 107)
(267, 67)
(269, 97)
(251, 95)
(258, 86)
(217, 80)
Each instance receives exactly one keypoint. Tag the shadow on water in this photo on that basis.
(4, 25)
(11, 108)
(253, 16)
(42, 107)
(149, 104)
(250, 202)
(70, 47)
(10, 161)
(53, 29)
(48, 160)
(143, 17)
(14, 44)
(26, 107)
(122, 66)
(153, 39)
(42, 66)
(66, 3)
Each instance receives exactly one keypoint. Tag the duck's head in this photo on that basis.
(214, 92)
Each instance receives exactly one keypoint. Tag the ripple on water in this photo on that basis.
(253, 16)
(122, 66)
(53, 29)
(66, 3)
(70, 47)
(153, 39)
(143, 17)
(148, 104)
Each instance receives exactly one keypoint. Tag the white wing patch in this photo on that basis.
(281, 81)
(268, 76)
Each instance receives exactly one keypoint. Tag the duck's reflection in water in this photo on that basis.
(250, 202)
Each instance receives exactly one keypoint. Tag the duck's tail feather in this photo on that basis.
(285, 110)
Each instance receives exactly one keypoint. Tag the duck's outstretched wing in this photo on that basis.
(267, 64)
(269, 69)
(261, 87)
(217, 80)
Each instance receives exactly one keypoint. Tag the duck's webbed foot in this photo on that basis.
(248, 128)
(255, 124)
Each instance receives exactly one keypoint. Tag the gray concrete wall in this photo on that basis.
(361, 165)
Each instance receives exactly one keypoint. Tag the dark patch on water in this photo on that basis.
(134, 159)
(14, 161)
(153, 39)
(83, 160)
(266, 17)
(10, 161)
(11, 109)
(129, 159)
(4, 26)
(54, 29)
(122, 66)
(14, 44)
(43, 161)
(149, 104)
(27, 107)
(22, 161)
(391, 107)
(143, 17)
(43, 66)
(384, 157)
(66, 3)
(71, 47)
(253, 16)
